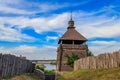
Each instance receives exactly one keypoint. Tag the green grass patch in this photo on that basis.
(50, 72)
(92, 74)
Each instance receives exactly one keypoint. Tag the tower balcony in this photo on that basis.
(71, 46)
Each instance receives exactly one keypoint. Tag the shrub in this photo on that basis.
(53, 63)
(71, 59)
(40, 67)
(50, 72)
(89, 53)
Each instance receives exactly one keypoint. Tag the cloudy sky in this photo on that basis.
(32, 28)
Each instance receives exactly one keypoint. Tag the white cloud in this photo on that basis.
(51, 38)
(104, 42)
(50, 52)
(100, 26)
(45, 7)
(15, 7)
(105, 31)
(88, 24)
(6, 2)
(32, 52)
(12, 35)
(38, 24)
(8, 6)
(6, 9)
(99, 47)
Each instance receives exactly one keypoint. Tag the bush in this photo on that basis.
(89, 53)
(50, 72)
(71, 59)
(53, 63)
(40, 67)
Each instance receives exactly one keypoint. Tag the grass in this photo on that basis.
(49, 72)
(92, 74)
(24, 77)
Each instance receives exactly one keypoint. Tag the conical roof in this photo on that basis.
(72, 34)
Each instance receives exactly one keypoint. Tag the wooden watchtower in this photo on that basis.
(72, 42)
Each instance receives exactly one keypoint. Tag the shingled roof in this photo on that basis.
(72, 34)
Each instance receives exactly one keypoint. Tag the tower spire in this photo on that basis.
(71, 22)
(71, 16)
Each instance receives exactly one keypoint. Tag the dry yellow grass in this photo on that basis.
(21, 77)
(24, 77)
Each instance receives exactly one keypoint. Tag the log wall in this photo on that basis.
(11, 65)
(106, 60)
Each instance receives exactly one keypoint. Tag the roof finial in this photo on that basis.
(71, 15)
(71, 22)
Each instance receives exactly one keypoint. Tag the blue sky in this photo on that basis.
(32, 28)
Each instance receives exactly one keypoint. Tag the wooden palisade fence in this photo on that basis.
(11, 65)
(106, 60)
